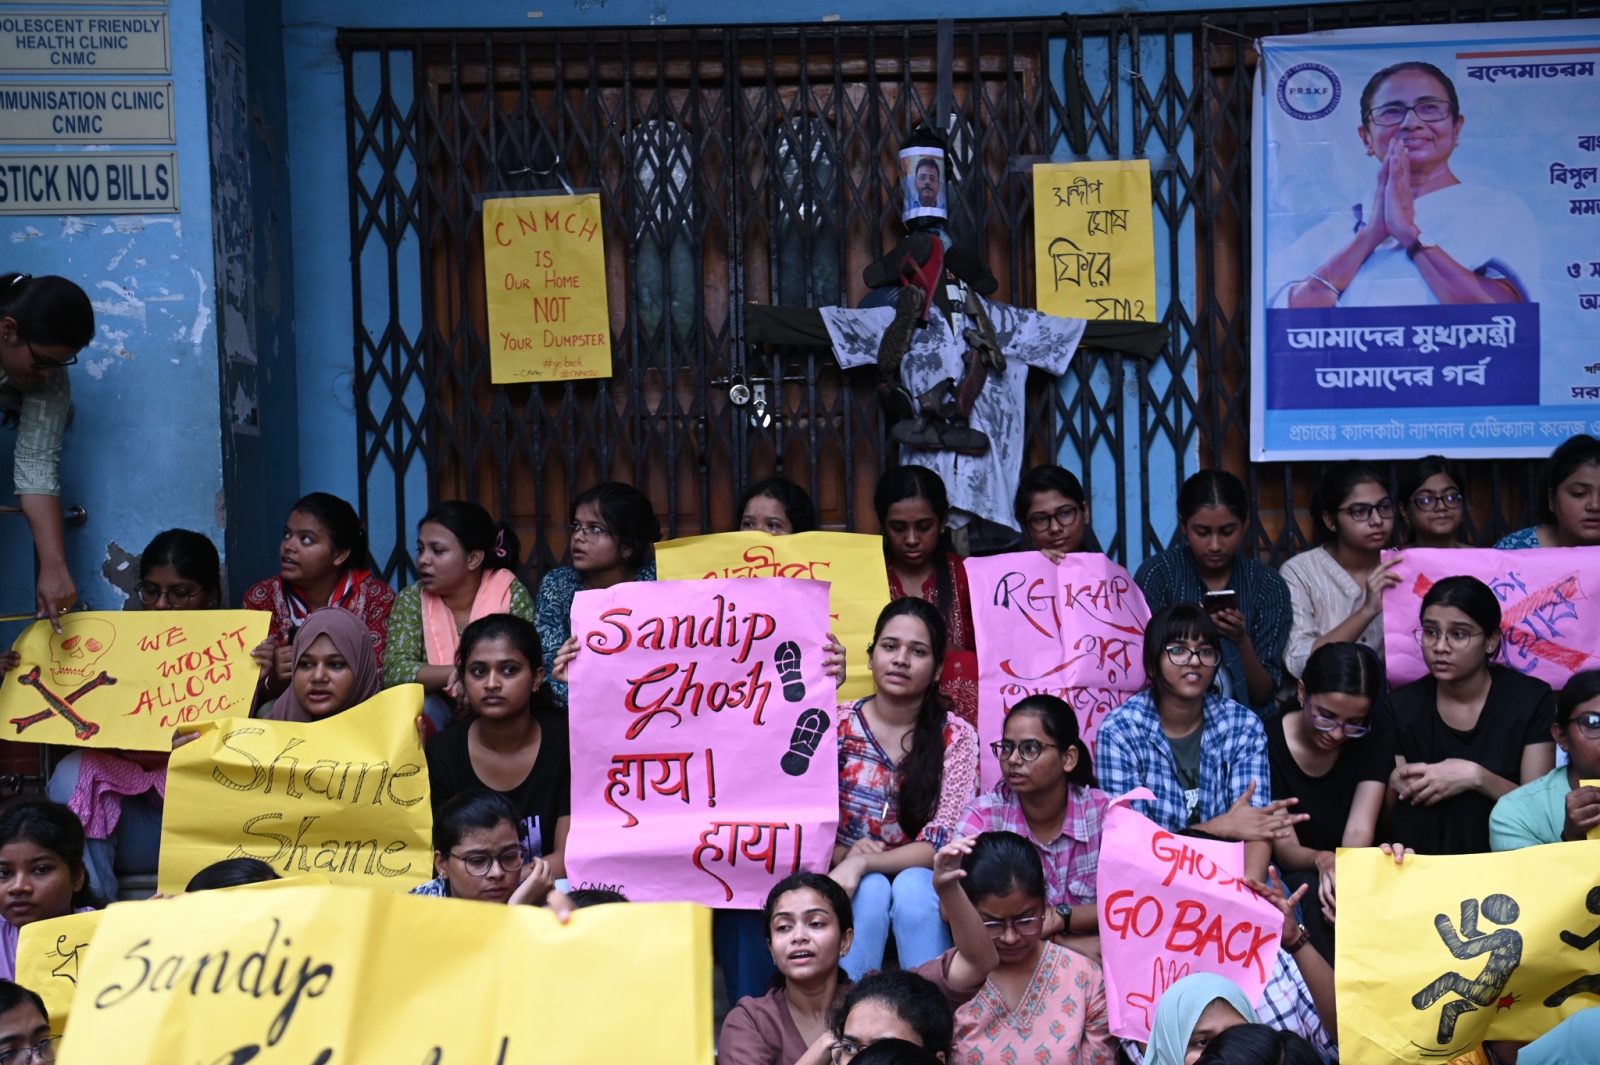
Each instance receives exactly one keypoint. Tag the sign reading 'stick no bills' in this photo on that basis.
(89, 183)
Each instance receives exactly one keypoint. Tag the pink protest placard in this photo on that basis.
(1073, 630)
(1548, 613)
(705, 764)
(1171, 906)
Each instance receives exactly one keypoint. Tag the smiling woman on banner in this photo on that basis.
(1558, 806)
(1202, 754)
(1571, 482)
(1468, 732)
(478, 856)
(333, 668)
(1432, 505)
(1425, 237)
(466, 569)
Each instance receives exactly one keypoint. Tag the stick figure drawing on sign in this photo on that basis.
(1503, 946)
(1589, 983)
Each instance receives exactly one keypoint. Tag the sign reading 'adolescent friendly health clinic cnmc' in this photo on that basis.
(1427, 273)
(84, 42)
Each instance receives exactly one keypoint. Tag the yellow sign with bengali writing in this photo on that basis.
(346, 797)
(1442, 952)
(128, 679)
(342, 976)
(544, 263)
(853, 562)
(1094, 240)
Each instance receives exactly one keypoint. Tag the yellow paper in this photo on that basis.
(544, 264)
(50, 955)
(128, 679)
(853, 562)
(346, 798)
(1440, 953)
(1094, 240)
(352, 977)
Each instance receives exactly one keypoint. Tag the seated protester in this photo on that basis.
(466, 569)
(477, 854)
(25, 1027)
(1571, 482)
(912, 509)
(1054, 514)
(1204, 756)
(41, 871)
(118, 794)
(1336, 588)
(1558, 807)
(893, 1004)
(1047, 796)
(323, 561)
(613, 539)
(514, 742)
(232, 872)
(1213, 513)
(1468, 732)
(778, 507)
(1257, 1044)
(1191, 1013)
(1323, 753)
(1043, 1003)
(907, 767)
(1432, 505)
(333, 669)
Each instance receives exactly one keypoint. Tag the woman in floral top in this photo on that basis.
(907, 767)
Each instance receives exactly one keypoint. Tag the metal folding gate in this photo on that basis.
(754, 164)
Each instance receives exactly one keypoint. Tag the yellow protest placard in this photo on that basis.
(853, 562)
(1094, 240)
(127, 679)
(50, 955)
(343, 976)
(346, 797)
(544, 264)
(1442, 952)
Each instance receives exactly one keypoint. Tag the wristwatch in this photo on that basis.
(1419, 244)
(1064, 912)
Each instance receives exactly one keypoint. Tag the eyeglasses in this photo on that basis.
(1427, 636)
(42, 363)
(593, 532)
(509, 860)
(1179, 655)
(44, 1050)
(1444, 501)
(1427, 109)
(1588, 724)
(1322, 723)
(177, 597)
(1023, 926)
(1028, 750)
(1066, 517)
(1363, 511)
(845, 1050)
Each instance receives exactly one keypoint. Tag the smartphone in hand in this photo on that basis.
(1227, 599)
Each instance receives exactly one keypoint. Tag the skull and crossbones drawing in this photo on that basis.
(73, 657)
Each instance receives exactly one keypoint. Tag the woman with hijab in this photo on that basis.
(1191, 1013)
(334, 668)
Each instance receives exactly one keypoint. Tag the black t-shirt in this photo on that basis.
(1327, 798)
(542, 797)
(1519, 711)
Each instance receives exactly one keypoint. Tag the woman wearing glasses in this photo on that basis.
(1424, 237)
(24, 1027)
(1048, 796)
(1336, 588)
(44, 323)
(1468, 732)
(1432, 505)
(1203, 755)
(1052, 511)
(1558, 806)
(1324, 755)
(613, 539)
(1572, 499)
(477, 855)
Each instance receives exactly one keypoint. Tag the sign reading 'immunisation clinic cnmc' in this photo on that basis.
(1427, 252)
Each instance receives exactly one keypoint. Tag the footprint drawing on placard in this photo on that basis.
(808, 733)
(787, 662)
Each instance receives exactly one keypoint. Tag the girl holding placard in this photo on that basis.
(41, 871)
(333, 668)
(1054, 513)
(477, 854)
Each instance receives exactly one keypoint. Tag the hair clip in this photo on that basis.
(20, 277)
(500, 544)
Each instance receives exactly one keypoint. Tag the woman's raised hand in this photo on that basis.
(1382, 578)
(537, 883)
(833, 660)
(563, 660)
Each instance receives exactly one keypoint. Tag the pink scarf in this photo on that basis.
(439, 636)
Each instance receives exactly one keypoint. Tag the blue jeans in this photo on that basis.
(909, 906)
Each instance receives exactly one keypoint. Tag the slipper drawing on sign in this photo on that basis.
(808, 733)
(787, 661)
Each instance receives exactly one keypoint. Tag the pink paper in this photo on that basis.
(1073, 630)
(1171, 906)
(1550, 619)
(705, 763)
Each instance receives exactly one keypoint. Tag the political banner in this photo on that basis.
(1094, 240)
(709, 768)
(853, 562)
(50, 955)
(1442, 952)
(346, 797)
(1183, 910)
(544, 266)
(1549, 607)
(1426, 277)
(342, 976)
(1073, 629)
(128, 679)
